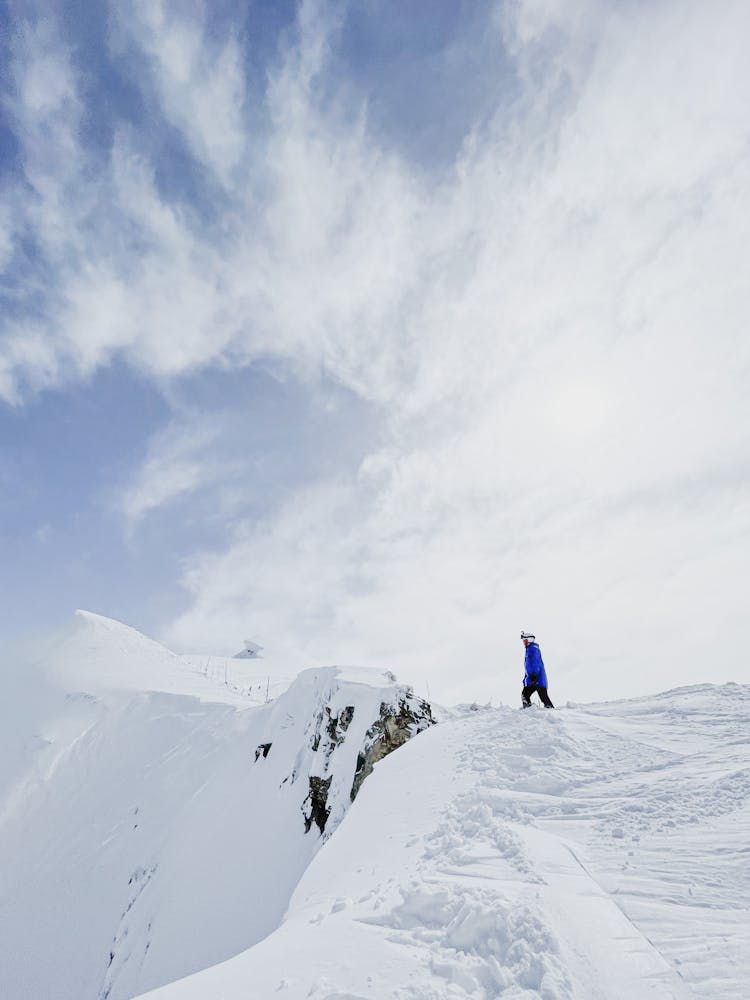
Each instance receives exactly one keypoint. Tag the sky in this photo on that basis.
(382, 331)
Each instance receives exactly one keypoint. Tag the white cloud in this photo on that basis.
(554, 334)
(178, 463)
(199, 82)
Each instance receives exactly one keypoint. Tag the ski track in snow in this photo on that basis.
(593, 853)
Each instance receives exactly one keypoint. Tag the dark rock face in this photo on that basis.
(342, 723)
(396, 725)
(262, 751)
(329, 732)
(397, 722)
(330, 729)
(318, 811)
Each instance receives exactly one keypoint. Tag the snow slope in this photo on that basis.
(143, 834)
(101, 655)
(592, 852)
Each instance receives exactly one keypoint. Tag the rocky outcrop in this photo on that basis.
(328, 734)
(330, 729)
(398, 719)
(315, 808)
(396, 725)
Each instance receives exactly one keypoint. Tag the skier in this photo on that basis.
(535, 678)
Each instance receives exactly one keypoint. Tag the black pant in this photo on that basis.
(541, 691)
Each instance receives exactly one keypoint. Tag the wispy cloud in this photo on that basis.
(198, 81)
(176, 464)
(550, 331)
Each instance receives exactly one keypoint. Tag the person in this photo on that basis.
(535, 678)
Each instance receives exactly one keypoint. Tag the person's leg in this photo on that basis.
(526, 695)
(545, 697)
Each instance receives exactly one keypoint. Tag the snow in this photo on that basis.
(149, 847)
(141, 835)
(101, 655)
(596, 851)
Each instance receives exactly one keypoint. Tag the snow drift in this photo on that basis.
(204, 828)
(164, 812)
(592, 853)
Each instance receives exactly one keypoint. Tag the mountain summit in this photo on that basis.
(593, 853)
(163, 807)
(198, 827)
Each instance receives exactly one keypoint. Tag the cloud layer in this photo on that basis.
(550, 332)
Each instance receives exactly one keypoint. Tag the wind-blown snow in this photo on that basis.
(592, 852)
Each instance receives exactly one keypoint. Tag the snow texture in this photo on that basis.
(156, 821)
(153, 816)
(593, 852)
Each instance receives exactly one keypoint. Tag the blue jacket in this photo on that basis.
(535, 672)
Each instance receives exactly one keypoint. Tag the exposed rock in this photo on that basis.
(332, 727)
(399, 718)
(396, 725)
(341, 724)
(317, 811)
(262, 749)
(329, 730)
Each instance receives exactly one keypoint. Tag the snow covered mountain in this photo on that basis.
(186, 826)
(161, 811)
(592, 852)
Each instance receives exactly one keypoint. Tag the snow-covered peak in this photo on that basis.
(100, 655)
(563, 855)
(109, 630)
(224, 821)
(160, 821)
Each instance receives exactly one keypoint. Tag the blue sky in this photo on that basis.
(381, 330)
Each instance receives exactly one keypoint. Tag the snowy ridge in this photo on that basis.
(596, 852)
(310, 740)
(147, 834)
(101, 655)
(165, 828)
